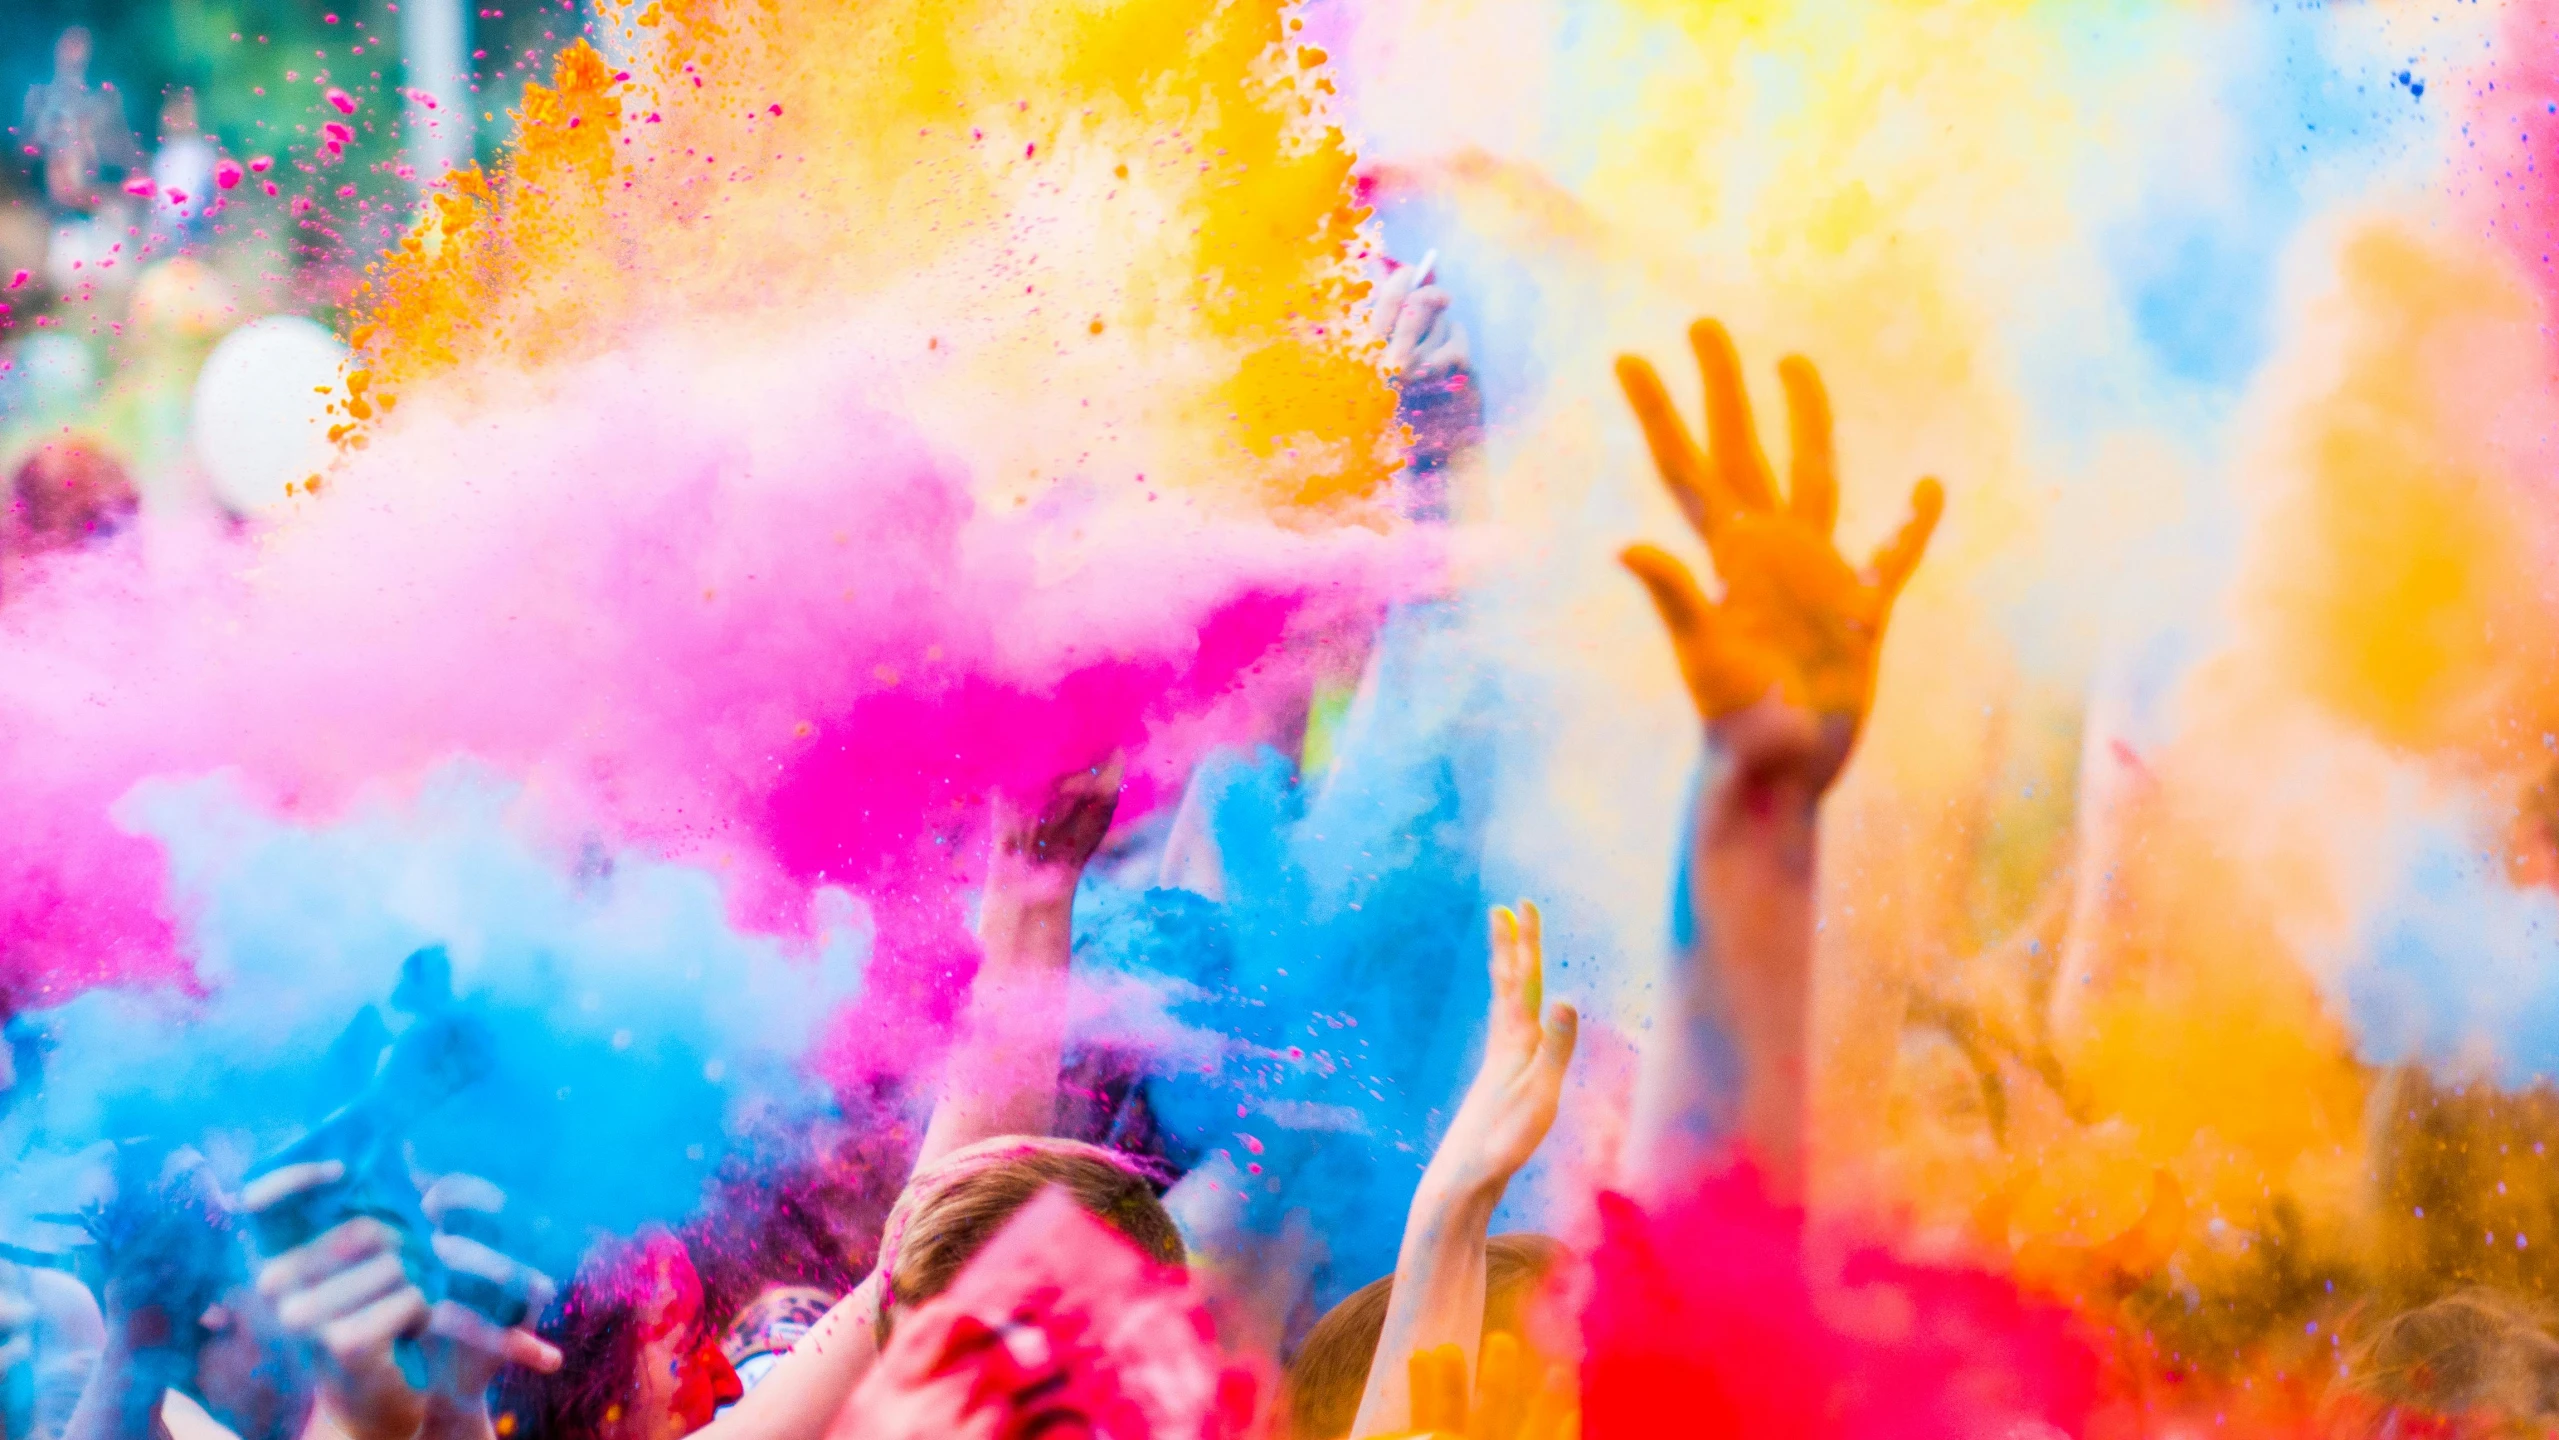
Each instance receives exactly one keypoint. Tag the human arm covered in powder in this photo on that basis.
(349, 1296)
(1002, 1075)
(1782, 670)
(1001, 1078)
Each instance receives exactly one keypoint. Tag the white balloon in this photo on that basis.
(259, 421)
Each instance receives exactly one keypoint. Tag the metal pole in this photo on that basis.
(435, 38)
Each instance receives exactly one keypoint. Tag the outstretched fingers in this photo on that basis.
(1732, 440)
(1812, 483)
(1894, 561)
(1555, 1042)
(1509, 972)
(1696, 634)
(1532, 959)
(1681, 464)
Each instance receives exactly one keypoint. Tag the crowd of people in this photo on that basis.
(125, 260)
(1023, 1265)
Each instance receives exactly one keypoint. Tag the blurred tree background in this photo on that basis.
(238, 55)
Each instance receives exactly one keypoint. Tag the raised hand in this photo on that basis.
(467, 1347)
(1527, 1048)
(1437, 1301)
(1002, 1074)
(1783, 665)
(349, 1295)
(1040, 855)
(1423, 341)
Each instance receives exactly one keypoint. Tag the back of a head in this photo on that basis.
(2476, 1353)
(1330, 1371)
(950, 1211)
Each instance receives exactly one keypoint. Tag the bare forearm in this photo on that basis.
(1727, 1061)
(800, 1398)
(1438, 1296)
(1755, 877)
(1002, 1075)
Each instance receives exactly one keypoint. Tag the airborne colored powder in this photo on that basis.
(825, 419)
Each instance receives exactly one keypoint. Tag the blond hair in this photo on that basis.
(1330, 1371)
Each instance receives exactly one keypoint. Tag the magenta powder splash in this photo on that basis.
(766, 629)
(1707, 1318)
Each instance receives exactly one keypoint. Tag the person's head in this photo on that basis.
(67, 492)
(639, 1359)
(71, 54)
(1324, 1382)
(2476, 1356)
(951, 1210)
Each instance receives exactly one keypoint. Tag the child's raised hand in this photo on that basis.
(1797, 627)
(1527, 1046)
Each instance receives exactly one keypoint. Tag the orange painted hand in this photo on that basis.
(1512, 1401)
(1796, 622)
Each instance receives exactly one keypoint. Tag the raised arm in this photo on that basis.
(1438, 1296)
(1002, 1075)
(1001, 1078)
(1782, 670)
(349, 1297)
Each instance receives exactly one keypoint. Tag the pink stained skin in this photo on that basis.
(1712, 1316)
(795, 661)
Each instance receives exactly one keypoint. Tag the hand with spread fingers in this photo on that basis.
(1782, 668)
(1784, 663)
(350, 1292)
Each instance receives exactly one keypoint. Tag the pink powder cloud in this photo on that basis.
(764, 630)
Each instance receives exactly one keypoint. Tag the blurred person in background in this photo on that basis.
(85, 149)
(78, 129)
(181, 174)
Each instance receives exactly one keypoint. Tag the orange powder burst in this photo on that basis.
(2401, 584)
(1144, 202)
